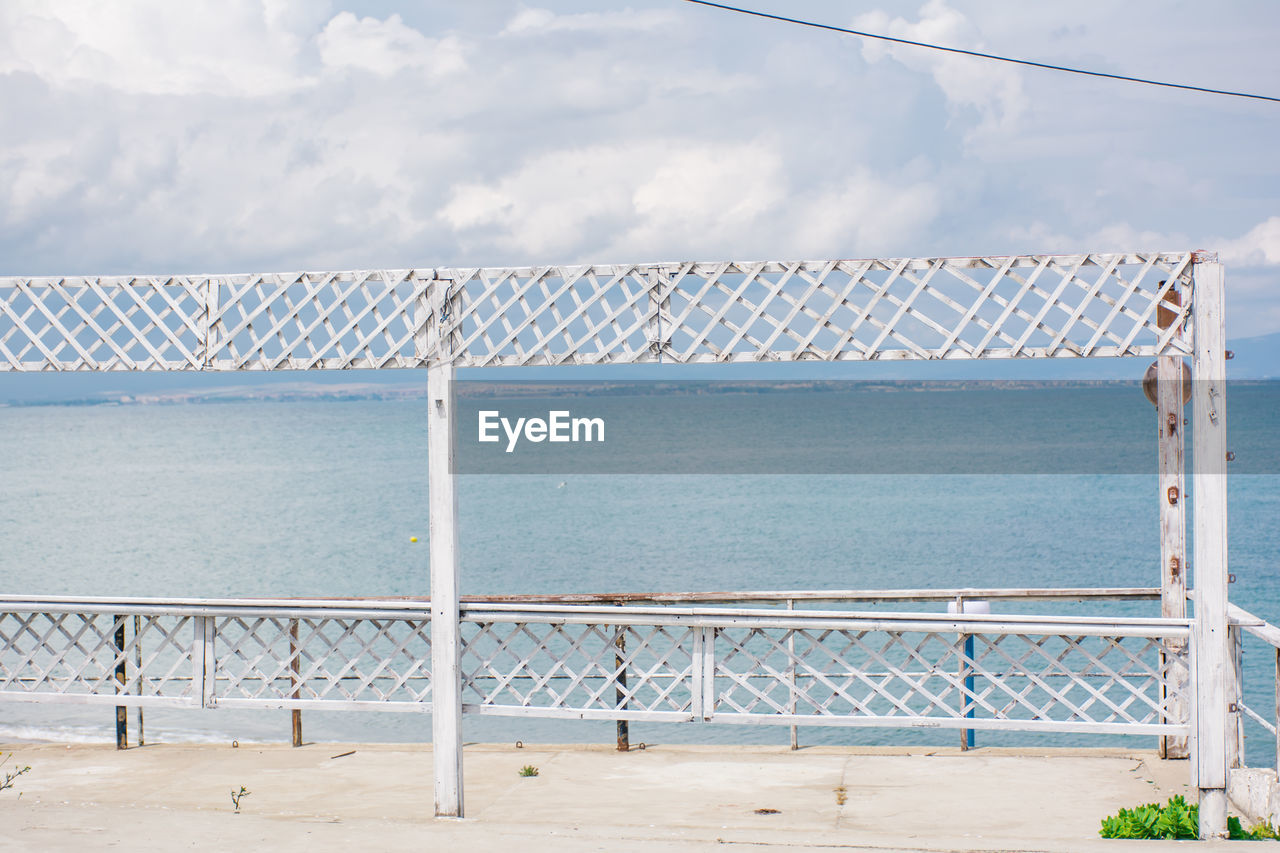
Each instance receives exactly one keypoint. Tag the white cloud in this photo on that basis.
(553, 204)
(536, 21)
(1259, 247)
(867, 215)
(713, 194)
(387, 47)
(993, 90)
(633, 199)
(157, 47)
(685, 200)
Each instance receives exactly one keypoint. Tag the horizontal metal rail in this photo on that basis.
(417, 604)
(1241, 620)
(733, 665)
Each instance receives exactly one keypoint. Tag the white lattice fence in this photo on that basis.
(1057, 682)
(296, 662)
(760, 667)
(847, 310)
(586, 661)
(80, 656)
(579, 670)
(211, 654)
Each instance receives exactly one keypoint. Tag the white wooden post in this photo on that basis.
(442, 498)
(1209, 492)
(446, 683)
(1235, 698)
(791, 677)
(1173, 540)
(1277, 716)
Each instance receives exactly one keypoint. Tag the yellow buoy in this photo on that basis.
(413, 538)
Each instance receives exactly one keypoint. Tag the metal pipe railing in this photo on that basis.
(1242, 622)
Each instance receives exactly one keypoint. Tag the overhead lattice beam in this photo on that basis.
(1026, 306)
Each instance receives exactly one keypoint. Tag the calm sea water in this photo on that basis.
(322, 499)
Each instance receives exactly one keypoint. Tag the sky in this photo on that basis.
(146, 136)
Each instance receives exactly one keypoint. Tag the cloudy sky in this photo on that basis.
(146, 136)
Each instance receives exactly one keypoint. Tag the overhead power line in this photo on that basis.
(979, 55)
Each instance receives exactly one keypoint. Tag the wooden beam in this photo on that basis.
(446, 677)
(1173, 534)
(1209, 490)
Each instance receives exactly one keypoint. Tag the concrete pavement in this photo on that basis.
(584, 798)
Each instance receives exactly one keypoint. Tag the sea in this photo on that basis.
(856, 486)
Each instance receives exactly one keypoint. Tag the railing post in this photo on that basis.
(1277, 716)
(708, 685)
(137, 652)
(1209, 487)
(203, 662)
(296, 713)
(1235, 695)
(791, 676)
(620, 687)
(446, 676)
(1173, 525)
(965, 645)
(122, 677)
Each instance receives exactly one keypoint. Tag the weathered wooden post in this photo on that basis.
(1235, 698)
(137, 659)
(966, 698)
(122, 676)
(296, 714)
(442, 496)
(1209, 492)
(623, 729)
(1173, 526)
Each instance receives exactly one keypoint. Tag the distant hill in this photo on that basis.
(1255, 358)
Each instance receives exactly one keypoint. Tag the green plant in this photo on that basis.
(528, 770)
(12, 776)
(1176, 820)
(236, 795)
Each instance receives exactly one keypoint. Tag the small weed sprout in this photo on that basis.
(528, 771)
(11, 776)
(236, 795)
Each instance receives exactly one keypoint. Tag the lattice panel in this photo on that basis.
(931, 308)
(594, 668)
(316, 320)
(102, 323)
(1028, 678)
(77, 654)
(1030, 306)
(269, 659)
